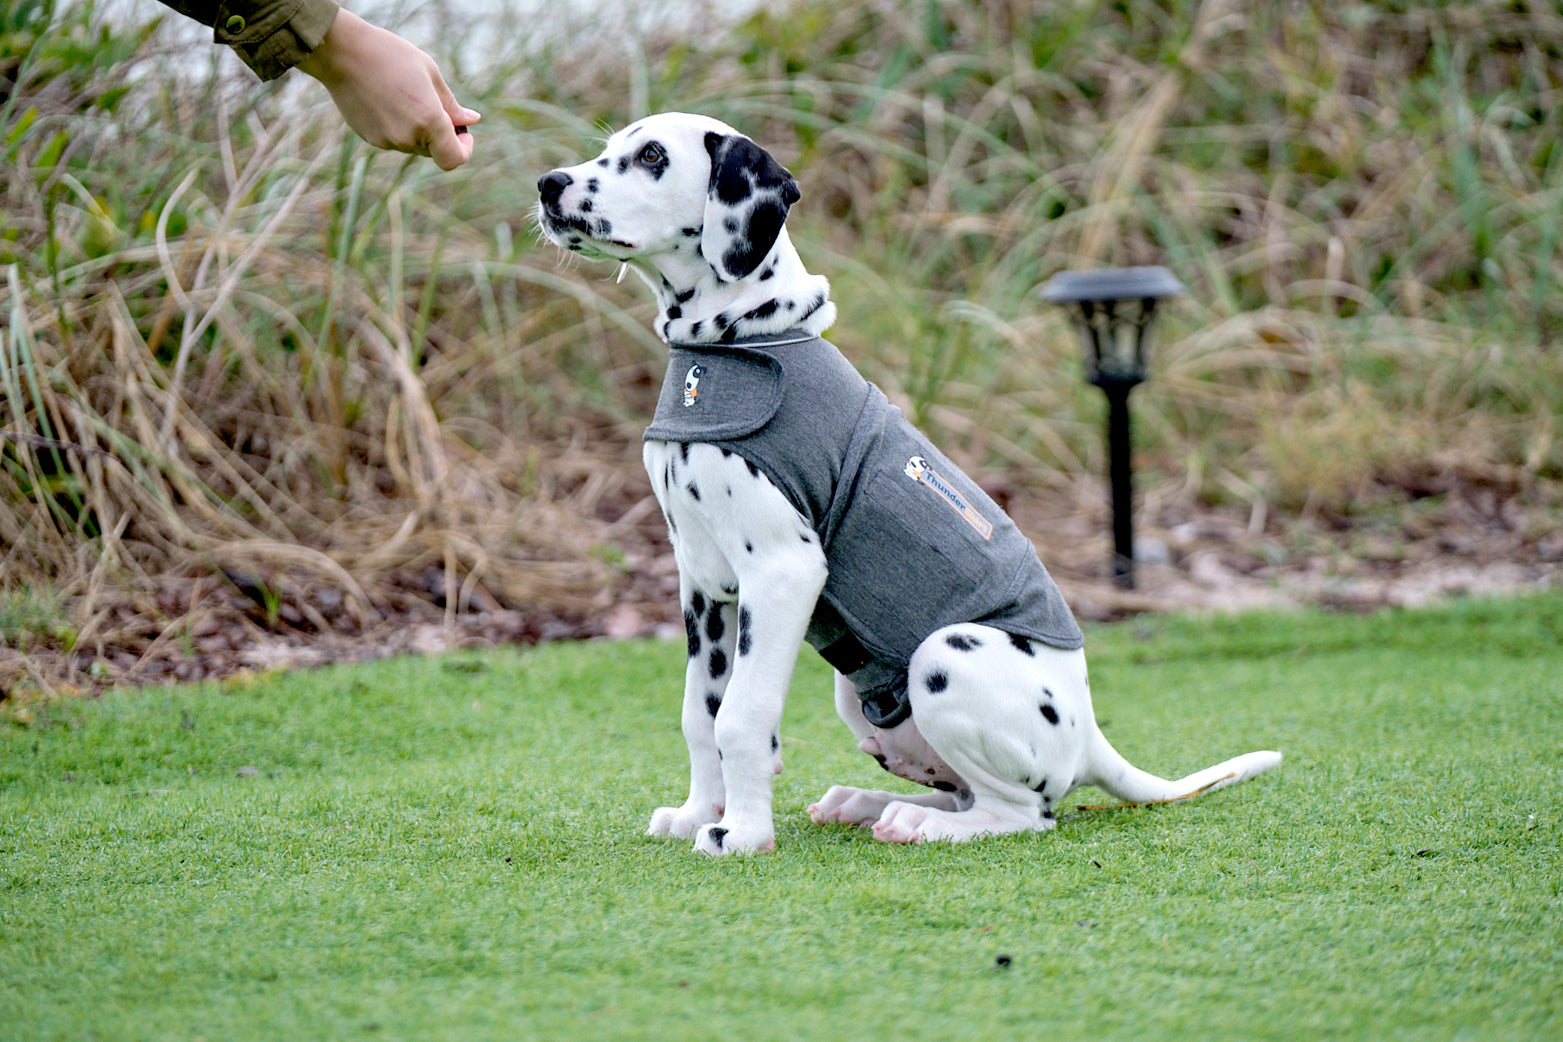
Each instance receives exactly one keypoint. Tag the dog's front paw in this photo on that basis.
(719, 839)
(681, 822)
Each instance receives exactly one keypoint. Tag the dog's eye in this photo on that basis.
(651, 155)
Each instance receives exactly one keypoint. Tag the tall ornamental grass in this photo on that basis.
(249, 363)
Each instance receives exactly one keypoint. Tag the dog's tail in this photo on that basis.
(1107, 769)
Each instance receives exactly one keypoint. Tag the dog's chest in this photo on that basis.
(725, 518)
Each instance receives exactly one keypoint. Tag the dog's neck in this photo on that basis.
(695, 306)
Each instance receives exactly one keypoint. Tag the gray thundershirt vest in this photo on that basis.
(911, 542)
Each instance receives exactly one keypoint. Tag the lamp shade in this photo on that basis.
(1113, 308)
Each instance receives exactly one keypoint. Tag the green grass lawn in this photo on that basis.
(451, 848)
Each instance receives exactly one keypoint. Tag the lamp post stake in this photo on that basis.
(1121, 477)
(1113, 308)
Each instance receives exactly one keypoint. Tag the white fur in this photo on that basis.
(1002, 729)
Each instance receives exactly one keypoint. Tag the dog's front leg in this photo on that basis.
(713, 635)
(776, 600)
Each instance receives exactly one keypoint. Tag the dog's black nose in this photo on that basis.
(552, 185)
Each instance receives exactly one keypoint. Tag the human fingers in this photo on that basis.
(450, 146)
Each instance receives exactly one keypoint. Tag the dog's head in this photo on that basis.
(671, 183)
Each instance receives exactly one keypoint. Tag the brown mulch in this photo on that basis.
(1469, 535)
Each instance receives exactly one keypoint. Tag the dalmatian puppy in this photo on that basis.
(802, 507)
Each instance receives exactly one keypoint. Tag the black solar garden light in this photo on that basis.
(1113, 308)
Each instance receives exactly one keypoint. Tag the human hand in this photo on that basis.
(390, 92)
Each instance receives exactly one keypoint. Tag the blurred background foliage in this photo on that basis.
(244, 352)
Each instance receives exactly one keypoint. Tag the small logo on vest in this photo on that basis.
(919, 471)
(692, 384)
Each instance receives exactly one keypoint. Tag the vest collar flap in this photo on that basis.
(713, 393)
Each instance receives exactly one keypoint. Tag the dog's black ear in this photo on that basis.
(746, 203)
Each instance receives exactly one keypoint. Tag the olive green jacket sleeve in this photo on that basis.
(270, 36)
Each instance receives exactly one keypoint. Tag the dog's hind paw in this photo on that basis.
(912, 823)
(849, 806)
(864, 807)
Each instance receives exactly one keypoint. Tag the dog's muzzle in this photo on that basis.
(573, 231)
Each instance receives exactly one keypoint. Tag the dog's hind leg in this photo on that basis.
(902, 751)
(1008, 715)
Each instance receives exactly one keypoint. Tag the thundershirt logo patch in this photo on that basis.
(692, 384)
(919, 471)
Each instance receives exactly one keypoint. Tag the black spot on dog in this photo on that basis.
(690, 233)
(694, 492)
(674, 311)
(748, 547)
(692, 631)
(730, 225)
(743, 631)
(713, 703)
(603, 162)
(936, 682)
(685, 297)
(586, 206)
(814, 305)
(694, 330)
(765, 310)
(697, 601)
(765, 224)
(721, 321)
(1022, 645)
(775, 744)
(718, 663)
(767, 274)
(1049, 714)
(593, 185)
(714, 625)
(1039, 787)
(717, 836)
(624, 163)
(963, 642)
(754, 471)
(683, 451)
